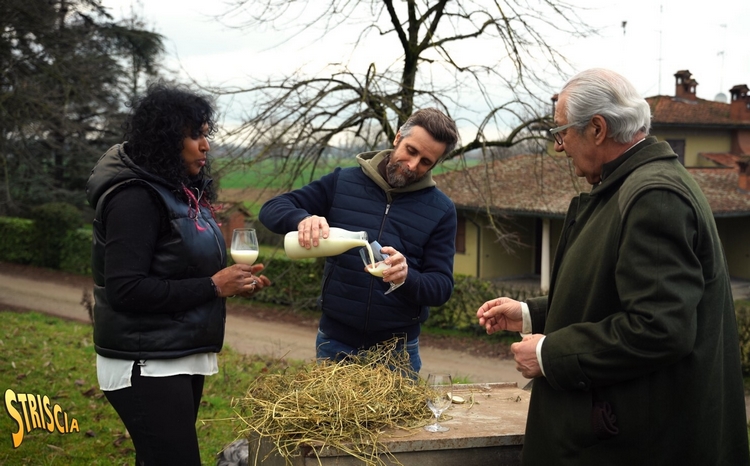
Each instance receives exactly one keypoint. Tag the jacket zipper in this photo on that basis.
(369, 299)
(385, 216)
(222, 251)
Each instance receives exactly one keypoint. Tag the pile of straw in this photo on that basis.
(344, 405)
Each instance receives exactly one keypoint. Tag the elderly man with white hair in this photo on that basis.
(634, 352)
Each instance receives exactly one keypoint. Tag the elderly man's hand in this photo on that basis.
(501, 314)
(525, 355)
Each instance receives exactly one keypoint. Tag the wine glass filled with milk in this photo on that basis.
(244, 246)
(374, 261)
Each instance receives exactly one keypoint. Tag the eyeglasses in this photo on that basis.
(558, 137)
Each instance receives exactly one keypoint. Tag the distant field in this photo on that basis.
(256, 182)
(271, 175)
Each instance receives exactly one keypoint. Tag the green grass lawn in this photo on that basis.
(52, 361)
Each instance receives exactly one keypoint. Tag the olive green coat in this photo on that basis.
(640, 323)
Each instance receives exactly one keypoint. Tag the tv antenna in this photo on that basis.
(723, 53)
(661, 11)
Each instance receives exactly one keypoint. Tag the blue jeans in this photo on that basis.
(328, 348)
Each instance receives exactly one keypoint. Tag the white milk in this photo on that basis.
(377, 270)
(338, 241)
(244, 256)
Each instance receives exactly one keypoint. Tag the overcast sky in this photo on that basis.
(645, 40)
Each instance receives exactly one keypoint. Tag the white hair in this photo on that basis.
(603, 92)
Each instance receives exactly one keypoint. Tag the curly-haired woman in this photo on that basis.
(159, 266)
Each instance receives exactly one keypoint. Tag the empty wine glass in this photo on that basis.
(439, 396)
(244, 248)
(379, 266)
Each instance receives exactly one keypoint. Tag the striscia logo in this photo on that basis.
(36, 412)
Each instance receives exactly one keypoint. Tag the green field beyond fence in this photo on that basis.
(274, 174)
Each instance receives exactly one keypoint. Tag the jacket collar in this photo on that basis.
(370, 161)
(116, 166)
(642, 153)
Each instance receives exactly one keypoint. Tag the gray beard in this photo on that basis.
(396, 178)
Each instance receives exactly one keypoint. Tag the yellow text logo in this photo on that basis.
(36, 412)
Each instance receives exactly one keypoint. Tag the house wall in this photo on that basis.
(697, 141)
(497, 262)
(486, 258)
(733, 234)
(465, 263)
(235, 220)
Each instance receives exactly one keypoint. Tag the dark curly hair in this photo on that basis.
(157, 126)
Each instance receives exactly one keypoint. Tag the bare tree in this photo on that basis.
(487, 63)
(298, 117)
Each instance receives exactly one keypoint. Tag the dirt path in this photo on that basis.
(61, 295)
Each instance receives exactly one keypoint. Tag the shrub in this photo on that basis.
(52, 223)
(266, 236)
(16, 240)
(75, 254)
(296, 283)
(297, 286)
(469, 293)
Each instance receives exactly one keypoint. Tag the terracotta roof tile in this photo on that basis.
(720, 185)
(522, 185)
(543, 185)
(722, 158)
(668, 110)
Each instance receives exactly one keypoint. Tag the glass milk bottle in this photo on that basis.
(338, 241)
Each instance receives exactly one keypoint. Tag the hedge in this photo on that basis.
(53, 222)
(75, 253)
(469, 293)
(297, 282)
(19, 244)
(16, 240)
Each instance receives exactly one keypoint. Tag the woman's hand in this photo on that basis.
(240, 279)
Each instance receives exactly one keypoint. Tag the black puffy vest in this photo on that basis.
(187, 252)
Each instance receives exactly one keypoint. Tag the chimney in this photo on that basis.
(744, 173)
(739, 107)
(554, 103)
(685, 85)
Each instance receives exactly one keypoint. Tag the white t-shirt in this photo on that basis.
(114, 374)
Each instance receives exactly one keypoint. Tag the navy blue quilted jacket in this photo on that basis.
(419, 221)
